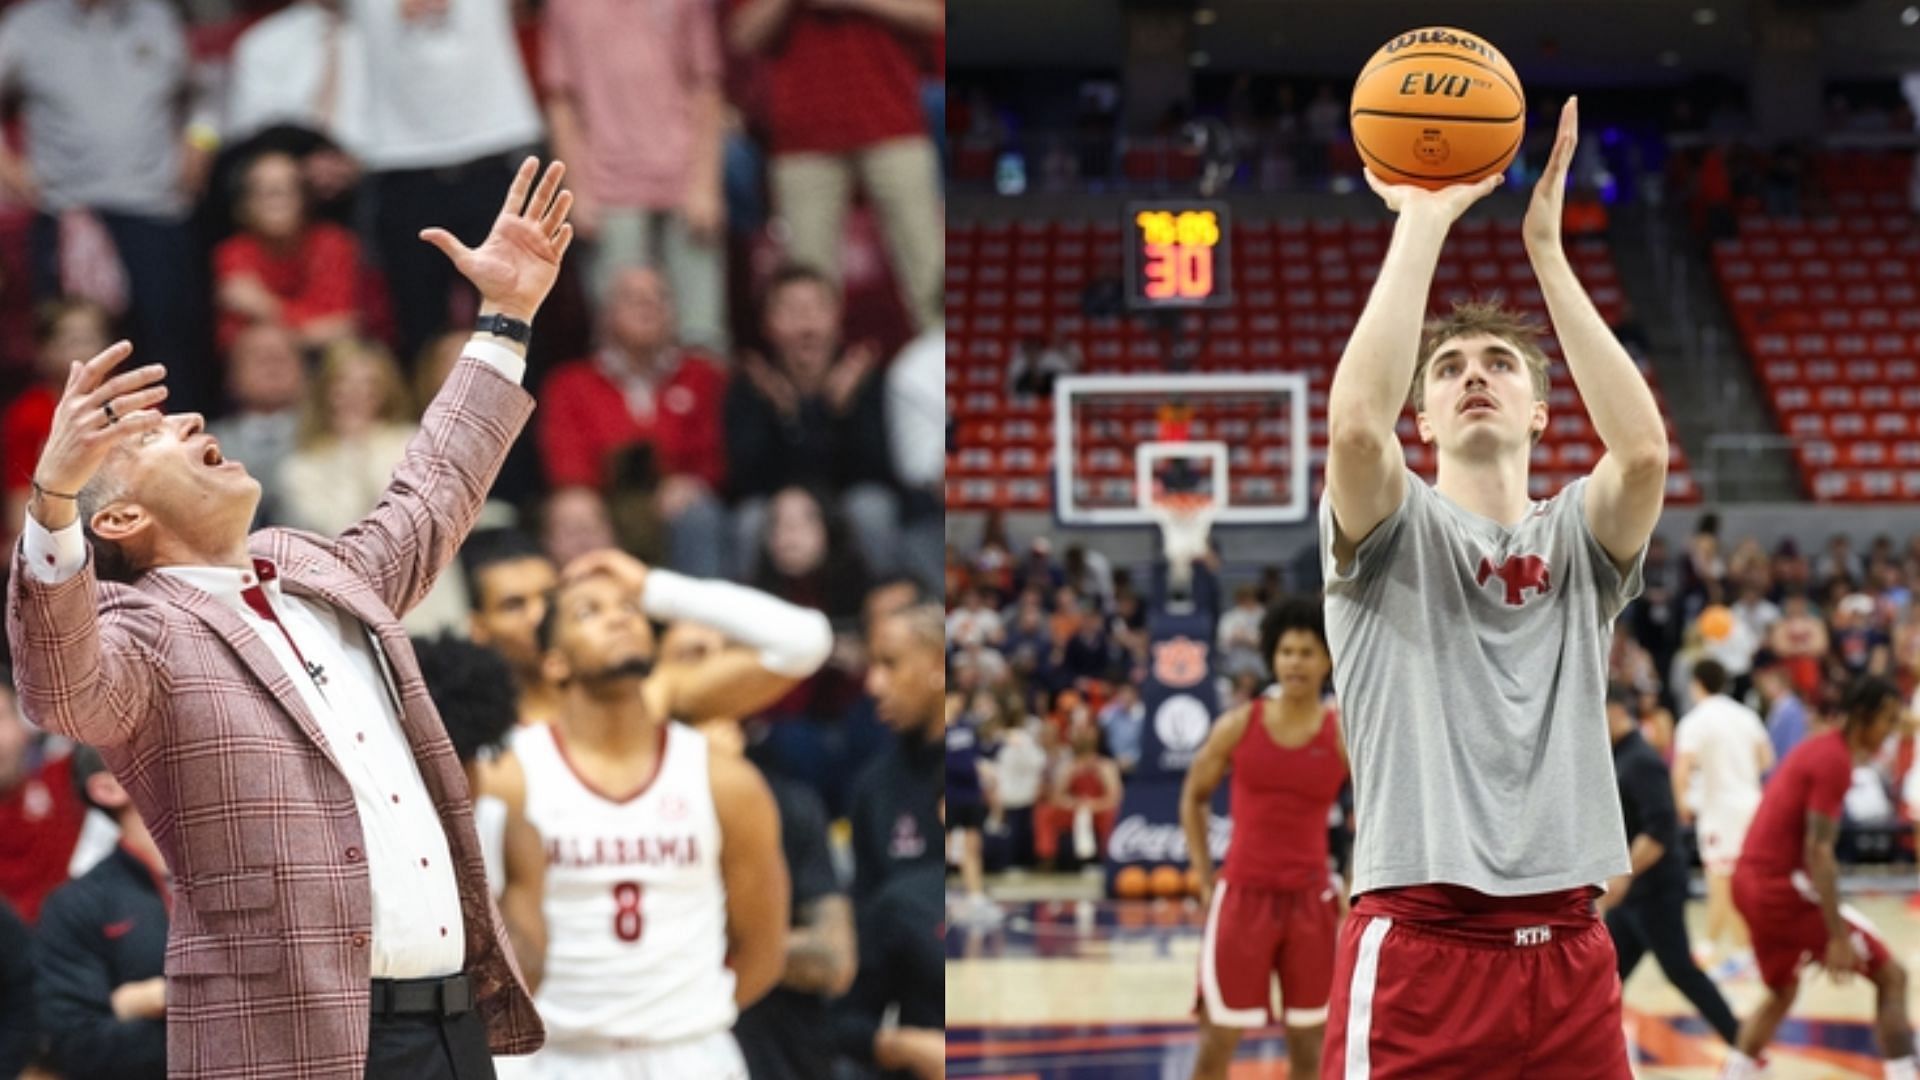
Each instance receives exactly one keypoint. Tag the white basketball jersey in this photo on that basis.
(636, 908)
(490, 823)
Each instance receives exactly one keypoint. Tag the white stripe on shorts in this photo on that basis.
(1366, 972)
(1217, 1012)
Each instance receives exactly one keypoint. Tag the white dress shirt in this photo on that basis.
(417, 923)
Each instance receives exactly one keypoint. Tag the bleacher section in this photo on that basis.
(1827, 310)
(1298, 288)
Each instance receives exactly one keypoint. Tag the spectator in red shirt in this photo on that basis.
(65, 332)
(843, 104)
(284, 268)
(641, 389)
(40, 814)
(633, 97)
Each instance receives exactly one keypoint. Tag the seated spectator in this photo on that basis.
(843, 104)
(472, 690)
(64, 332)
(354, 430)
(40, 816)
(1860, 645)
(1800, 641)
(807, 558)
(19, 1031)
(1084, 799)
(574, 521)
(1238, 636)
(811, 413)
(267, 382)
(640, 388)
(1029, 643)
(974, 623)
(1786, 714)
(1123, 720)
(284, 268)
(100, 949)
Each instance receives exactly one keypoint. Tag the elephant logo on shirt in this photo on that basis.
(1519, 573)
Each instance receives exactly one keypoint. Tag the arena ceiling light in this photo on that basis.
(1204, 16)
(1705, 16)
(1910, 16)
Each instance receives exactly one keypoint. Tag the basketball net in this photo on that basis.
(1185, 518)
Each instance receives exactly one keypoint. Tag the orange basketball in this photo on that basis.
(1169, 881)
(1193, 881)
(1130, 883)
(1435, 107)
(1716, 622)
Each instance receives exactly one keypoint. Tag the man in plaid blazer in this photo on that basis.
(258, 698)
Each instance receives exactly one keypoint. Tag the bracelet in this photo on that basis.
(44, 493)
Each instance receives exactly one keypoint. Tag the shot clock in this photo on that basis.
(1177, 255)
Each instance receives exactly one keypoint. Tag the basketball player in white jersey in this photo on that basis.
(666, 889)
(1726, 745)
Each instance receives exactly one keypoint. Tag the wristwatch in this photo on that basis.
(505, 326)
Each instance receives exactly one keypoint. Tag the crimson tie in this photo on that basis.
(256, 598)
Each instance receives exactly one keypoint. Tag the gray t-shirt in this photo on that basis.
(1471, 665)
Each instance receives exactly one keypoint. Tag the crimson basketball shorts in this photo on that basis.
(1449, 1001)
(1783, 916)
(1254, 935)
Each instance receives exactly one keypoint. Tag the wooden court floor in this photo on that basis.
(1082, 989)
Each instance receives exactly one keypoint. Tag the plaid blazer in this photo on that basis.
(268, 959)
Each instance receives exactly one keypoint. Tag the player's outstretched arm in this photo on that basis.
(1630, 482)
(755, 873)
(1365, 466)
(1209, 767)
(780, 644)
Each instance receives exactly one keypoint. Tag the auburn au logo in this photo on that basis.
(1519, 573)
(1179, 662)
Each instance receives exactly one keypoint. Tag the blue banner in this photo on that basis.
(1178, 694)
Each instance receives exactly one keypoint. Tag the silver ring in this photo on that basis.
(108, 409)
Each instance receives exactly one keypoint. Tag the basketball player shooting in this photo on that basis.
(667, 893)
(1469, 631)
(1275, 909)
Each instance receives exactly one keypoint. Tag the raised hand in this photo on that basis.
(94, 414)
(515, 266)
(1542, 227)
(1448, 203)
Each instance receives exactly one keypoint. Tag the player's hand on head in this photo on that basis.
(95, 413)
(630, 572)
(516, 265)
(1446, 204)
(1542, 226)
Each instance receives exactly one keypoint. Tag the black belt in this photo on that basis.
(449, 995)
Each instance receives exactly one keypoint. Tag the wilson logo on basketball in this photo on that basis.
(1518, 574)
(1179, 662)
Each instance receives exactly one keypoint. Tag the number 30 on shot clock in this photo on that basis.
(1178, 255)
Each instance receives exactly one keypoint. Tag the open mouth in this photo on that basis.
(211, 457)
(1477, 403)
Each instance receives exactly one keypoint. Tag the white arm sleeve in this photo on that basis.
(793, 641)
(54, 556)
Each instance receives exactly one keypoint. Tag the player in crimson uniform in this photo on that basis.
(1275, 909)
(1787, 885)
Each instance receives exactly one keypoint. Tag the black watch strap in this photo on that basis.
(505, 326)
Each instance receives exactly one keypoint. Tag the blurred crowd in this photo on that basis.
(1048, 650)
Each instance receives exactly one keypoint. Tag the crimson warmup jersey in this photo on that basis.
(1814, 778)
(1280, 802)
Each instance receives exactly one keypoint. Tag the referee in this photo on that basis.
(1646, 909)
